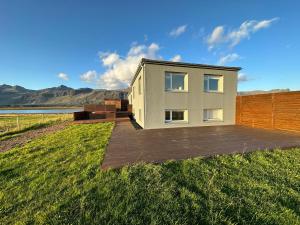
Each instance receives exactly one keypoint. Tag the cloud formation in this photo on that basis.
(228, 58)
(109, 59)
(242, 77)
(176, 58)
(178, 31)
(119, 71)
(63, 76)
(216, 37)
(235, 36)
(89, 77)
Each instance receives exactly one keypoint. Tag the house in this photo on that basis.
(167, 94)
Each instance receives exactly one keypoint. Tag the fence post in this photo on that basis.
(18, 124)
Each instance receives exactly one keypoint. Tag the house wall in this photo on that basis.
(194, 100)
(137, 100)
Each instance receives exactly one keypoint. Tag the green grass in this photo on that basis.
(56, 180)
(9, 126)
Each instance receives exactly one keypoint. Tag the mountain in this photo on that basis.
(262, 92)
(55, 96)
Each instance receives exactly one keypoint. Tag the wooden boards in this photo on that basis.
(279, 111)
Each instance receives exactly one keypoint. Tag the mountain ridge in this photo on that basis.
(55, 96)
(66, 96)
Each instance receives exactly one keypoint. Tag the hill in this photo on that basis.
(55, 96)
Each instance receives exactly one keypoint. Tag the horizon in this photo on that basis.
(99, 89)
(97, 45)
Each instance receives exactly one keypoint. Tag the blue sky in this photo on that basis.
(98, 43)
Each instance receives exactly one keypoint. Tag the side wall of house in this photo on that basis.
(137, 98)
(194, 100)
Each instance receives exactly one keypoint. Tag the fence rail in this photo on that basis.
(280, 111)
(14, 122)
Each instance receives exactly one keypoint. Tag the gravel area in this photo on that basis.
(27, 136)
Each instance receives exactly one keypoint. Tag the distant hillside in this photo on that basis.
(56, 96)
(262, 92)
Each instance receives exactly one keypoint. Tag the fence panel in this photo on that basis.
(270, 111)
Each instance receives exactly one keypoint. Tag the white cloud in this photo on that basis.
(264, 24)
(108, 58)
(228, 58)
(63, 76)
(176, 58)
(216, 37)
(235, 36)
(89, 77)
(119, 73)
(178, 31)
(243, 77)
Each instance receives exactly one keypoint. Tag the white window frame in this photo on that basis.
(171, 81)
(216, 77)
(171, 119)
(213, 119)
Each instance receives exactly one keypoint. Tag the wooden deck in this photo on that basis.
(129, 146)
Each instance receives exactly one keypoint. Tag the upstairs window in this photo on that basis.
(174, 81)
(212, 83)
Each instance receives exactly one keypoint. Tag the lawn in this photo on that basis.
(56, 180)
(11, 124)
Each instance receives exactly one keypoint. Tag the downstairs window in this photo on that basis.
(213, 115)
(175, 115)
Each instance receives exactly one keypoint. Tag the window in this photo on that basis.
(213, 115)
(140, 88)
(212, 83)
(174, 81)
(174, 115)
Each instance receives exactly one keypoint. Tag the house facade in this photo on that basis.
(171, 94)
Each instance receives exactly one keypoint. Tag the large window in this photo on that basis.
(174, 81)
(175, 115)
(212, 83)
(213, 115)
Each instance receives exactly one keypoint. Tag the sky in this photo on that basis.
(98, 44)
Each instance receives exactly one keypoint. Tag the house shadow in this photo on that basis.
(135, 125)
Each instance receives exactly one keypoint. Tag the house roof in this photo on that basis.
(180, 64)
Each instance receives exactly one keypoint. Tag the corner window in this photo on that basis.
(140, 88)
(174, 81)
(175, 115)
(213, 115)
(212, 83)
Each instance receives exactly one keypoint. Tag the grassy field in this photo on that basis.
(14, 122)
(56, 180)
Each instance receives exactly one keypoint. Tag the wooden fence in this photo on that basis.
(279, 111)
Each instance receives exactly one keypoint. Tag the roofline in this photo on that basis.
(180, 64)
